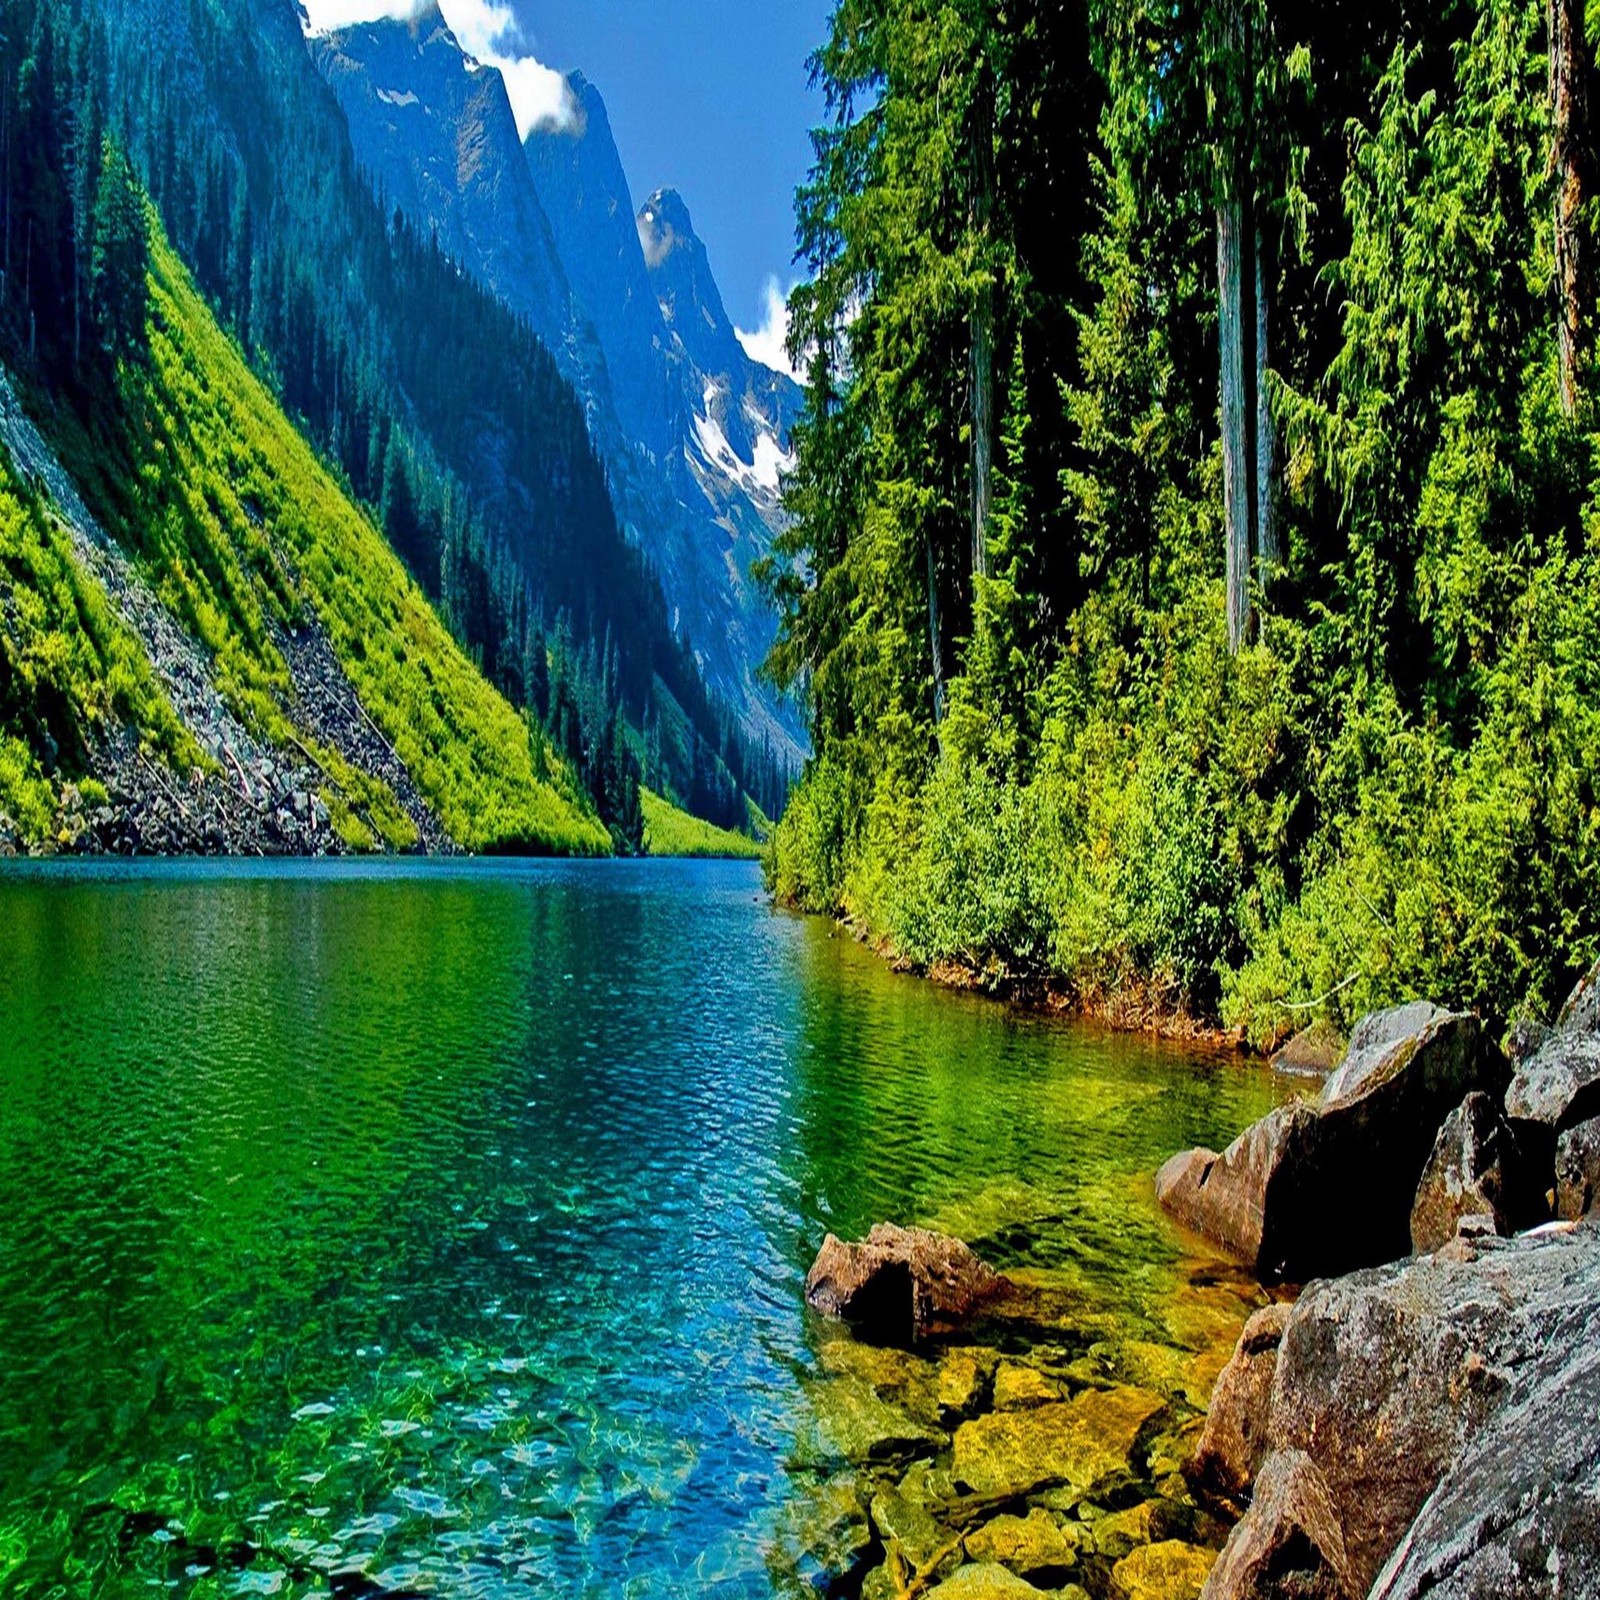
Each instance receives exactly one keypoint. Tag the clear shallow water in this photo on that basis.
(442, 1228)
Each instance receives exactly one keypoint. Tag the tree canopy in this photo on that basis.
(1261, 683)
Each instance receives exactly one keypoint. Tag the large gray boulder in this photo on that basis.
(1250, 1198)
(1519, 1513)
(1476, 1169)
(1225, 1462)
(1291, 1546)
(1392, 1381)
(1578, 1171)
(1380, 1044)
(1313, 1191)
(1558, 1086)
(900, 1284)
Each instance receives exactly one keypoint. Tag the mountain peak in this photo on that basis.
(680, 273)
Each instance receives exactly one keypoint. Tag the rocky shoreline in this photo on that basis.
(1416, 1421)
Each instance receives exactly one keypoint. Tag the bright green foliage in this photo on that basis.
(240, 529)
(671, 832)
(1392, 790)
(241, 526)
(70, 672)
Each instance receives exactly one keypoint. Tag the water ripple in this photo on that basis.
(440, 1230)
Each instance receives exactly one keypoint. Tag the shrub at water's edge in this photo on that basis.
(671, 832)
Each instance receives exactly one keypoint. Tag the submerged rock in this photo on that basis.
(1035, 1547)
(965, 1377)
(1291, 1546)
(985, 1581)
(900, 1284)
(827, 1535)
(1017, 1386)
(1120, 1533)
(1085, 1444)
(856, 1425)
(1169, 1571)
(1234, 1443)
(1315, 1191)
(916, 1515)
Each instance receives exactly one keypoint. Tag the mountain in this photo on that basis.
(445, 148)
(439, 408)
(265, 678)
(693, 434)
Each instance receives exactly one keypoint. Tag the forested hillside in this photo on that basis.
(440, 409)
(1200, 580)
(217, 651)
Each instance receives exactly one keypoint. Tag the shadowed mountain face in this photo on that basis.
(694, 433)
(441, 142)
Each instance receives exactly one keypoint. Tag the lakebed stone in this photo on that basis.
(1120, 1533)
(1018, 1385)
(1036, 1546)
(985, 1580)
(900, 1285)
(1169, 1571)
(1318, 1190)
(854, 1424)
(1085, 1444)
(917, 1514)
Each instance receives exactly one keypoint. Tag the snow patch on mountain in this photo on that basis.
(763, 475)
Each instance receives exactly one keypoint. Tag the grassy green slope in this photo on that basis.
(68, 666)
(671, 832)
(240, 526)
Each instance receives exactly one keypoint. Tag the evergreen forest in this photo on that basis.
(1195, 565)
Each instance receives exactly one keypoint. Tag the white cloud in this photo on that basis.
(487, 31)
(767, 344)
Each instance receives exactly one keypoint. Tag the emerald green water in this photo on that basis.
(441, 1229)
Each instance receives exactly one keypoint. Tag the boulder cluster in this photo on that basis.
(1422, 1425)
(1418, 1422)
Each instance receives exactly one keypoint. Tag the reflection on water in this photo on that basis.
(441, 1229)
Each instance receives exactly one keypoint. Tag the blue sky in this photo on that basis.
(709, 97)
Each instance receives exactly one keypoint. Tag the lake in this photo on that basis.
(441, 1228)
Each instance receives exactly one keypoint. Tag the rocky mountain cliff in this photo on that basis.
(693, 432)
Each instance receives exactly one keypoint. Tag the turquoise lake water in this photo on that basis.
(440, 1229)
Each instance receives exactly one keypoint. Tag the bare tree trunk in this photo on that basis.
(1570, 68)
(982, 362)
(1236, 418)
(982, 430)
(1269, 541)
(935, 637)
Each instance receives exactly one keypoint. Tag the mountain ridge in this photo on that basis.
(692, 431)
